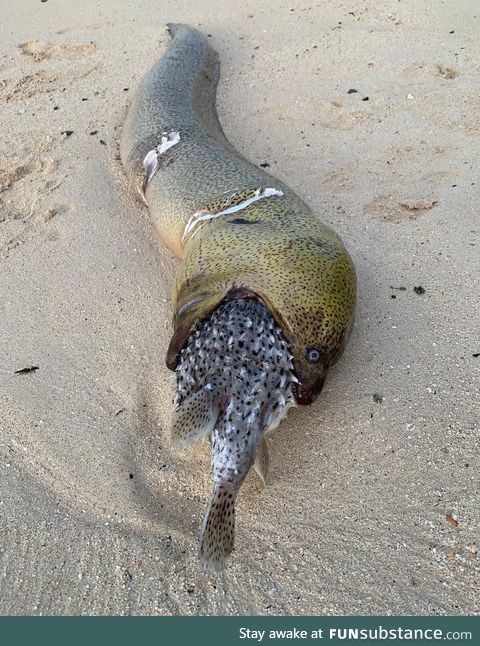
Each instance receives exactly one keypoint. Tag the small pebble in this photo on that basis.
(452, 519)
(419, 290)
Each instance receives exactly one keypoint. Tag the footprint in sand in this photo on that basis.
(26, 182)
(433, 69)
(393, 208)
(459, 112)
(42, 81)
(40, 51)
(328, 114)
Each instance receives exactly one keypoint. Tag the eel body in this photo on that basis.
(241, 235)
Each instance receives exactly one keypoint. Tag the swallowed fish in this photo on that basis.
(234, 382)
(265, 294)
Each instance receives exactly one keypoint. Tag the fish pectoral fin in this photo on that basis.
(262, 461)
(195, 418)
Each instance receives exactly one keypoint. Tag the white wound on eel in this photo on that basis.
(150, 161)
(201, 216)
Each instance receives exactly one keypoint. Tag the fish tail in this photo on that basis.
(177, 95)
(218, 531)
(192, 52)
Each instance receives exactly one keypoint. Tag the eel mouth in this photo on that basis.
(305, 395)
(305, 390)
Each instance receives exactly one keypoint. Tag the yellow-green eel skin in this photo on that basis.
(273, 248)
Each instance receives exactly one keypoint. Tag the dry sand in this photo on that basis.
(372, 507)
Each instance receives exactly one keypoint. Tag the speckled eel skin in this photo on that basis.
(265, 293)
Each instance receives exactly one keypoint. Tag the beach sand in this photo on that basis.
(373, 501)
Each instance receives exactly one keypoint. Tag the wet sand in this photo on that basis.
(373, 501)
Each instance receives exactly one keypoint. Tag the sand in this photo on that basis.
(373, 501)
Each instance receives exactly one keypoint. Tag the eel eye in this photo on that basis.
(313, 355)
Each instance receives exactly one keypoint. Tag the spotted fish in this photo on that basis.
(265, 294)
(234, 383)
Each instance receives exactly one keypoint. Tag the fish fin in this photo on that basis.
(218, 530)
(195, 418)
(262, 461)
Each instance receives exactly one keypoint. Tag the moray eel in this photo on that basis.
(265, 294)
